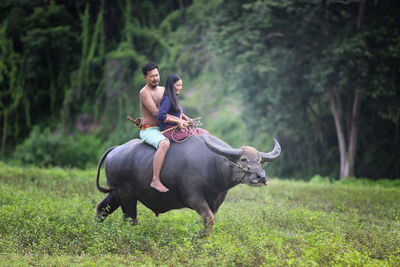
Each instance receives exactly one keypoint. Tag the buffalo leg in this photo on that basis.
(207, 215)
(130, 210)
(105, 207)
(218, 202)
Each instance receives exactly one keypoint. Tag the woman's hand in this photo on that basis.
(189, 121)
(182, 124)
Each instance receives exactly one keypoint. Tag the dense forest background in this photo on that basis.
(321, 76)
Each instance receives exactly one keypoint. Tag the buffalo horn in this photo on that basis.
(228, 152)
(273, 155)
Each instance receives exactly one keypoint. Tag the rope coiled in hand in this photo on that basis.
(193, 123)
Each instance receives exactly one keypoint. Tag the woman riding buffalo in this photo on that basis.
(171, 126)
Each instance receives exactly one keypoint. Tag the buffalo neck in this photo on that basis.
(226, 174)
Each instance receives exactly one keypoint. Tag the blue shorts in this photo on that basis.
(152, 136)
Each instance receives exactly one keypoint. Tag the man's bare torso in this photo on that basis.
(150, 99)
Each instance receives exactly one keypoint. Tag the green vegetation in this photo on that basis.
(321, 76)
(44, 148)
(46, 218)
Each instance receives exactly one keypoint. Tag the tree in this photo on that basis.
(297, 62)
(33, 69)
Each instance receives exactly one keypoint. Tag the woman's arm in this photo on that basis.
(163, 110)
(186, 118)
(181, 123)
(165, 117)
(190, 121)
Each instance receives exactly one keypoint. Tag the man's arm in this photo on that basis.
(148, 103)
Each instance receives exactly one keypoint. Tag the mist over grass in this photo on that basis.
(46, 218)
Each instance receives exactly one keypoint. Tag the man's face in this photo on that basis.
(152, 78)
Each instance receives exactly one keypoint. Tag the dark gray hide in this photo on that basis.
(198, 172)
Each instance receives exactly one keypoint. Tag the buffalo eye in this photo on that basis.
(244, 160)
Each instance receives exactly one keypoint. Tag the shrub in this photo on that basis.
(47, 148)
(318, 179)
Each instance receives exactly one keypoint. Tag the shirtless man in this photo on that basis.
(150, 96)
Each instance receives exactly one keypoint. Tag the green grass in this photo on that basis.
(46, 219)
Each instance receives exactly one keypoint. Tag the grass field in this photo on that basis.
(46, 219)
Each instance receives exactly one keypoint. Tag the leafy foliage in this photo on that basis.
(253, 71)
(44, 148)
(289, 56)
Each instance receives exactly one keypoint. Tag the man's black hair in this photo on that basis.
(149, 67)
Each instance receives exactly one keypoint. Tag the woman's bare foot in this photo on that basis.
(156, 184)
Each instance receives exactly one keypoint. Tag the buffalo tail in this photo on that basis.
(102, 189)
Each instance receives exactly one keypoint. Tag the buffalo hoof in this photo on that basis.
(131, 221)
(99, 217)
(205, 233)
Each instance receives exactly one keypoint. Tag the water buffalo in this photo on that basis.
(199, 172)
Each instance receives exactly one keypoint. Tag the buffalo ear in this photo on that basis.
(225, 151)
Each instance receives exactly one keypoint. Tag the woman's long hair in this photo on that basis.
(170, 90)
